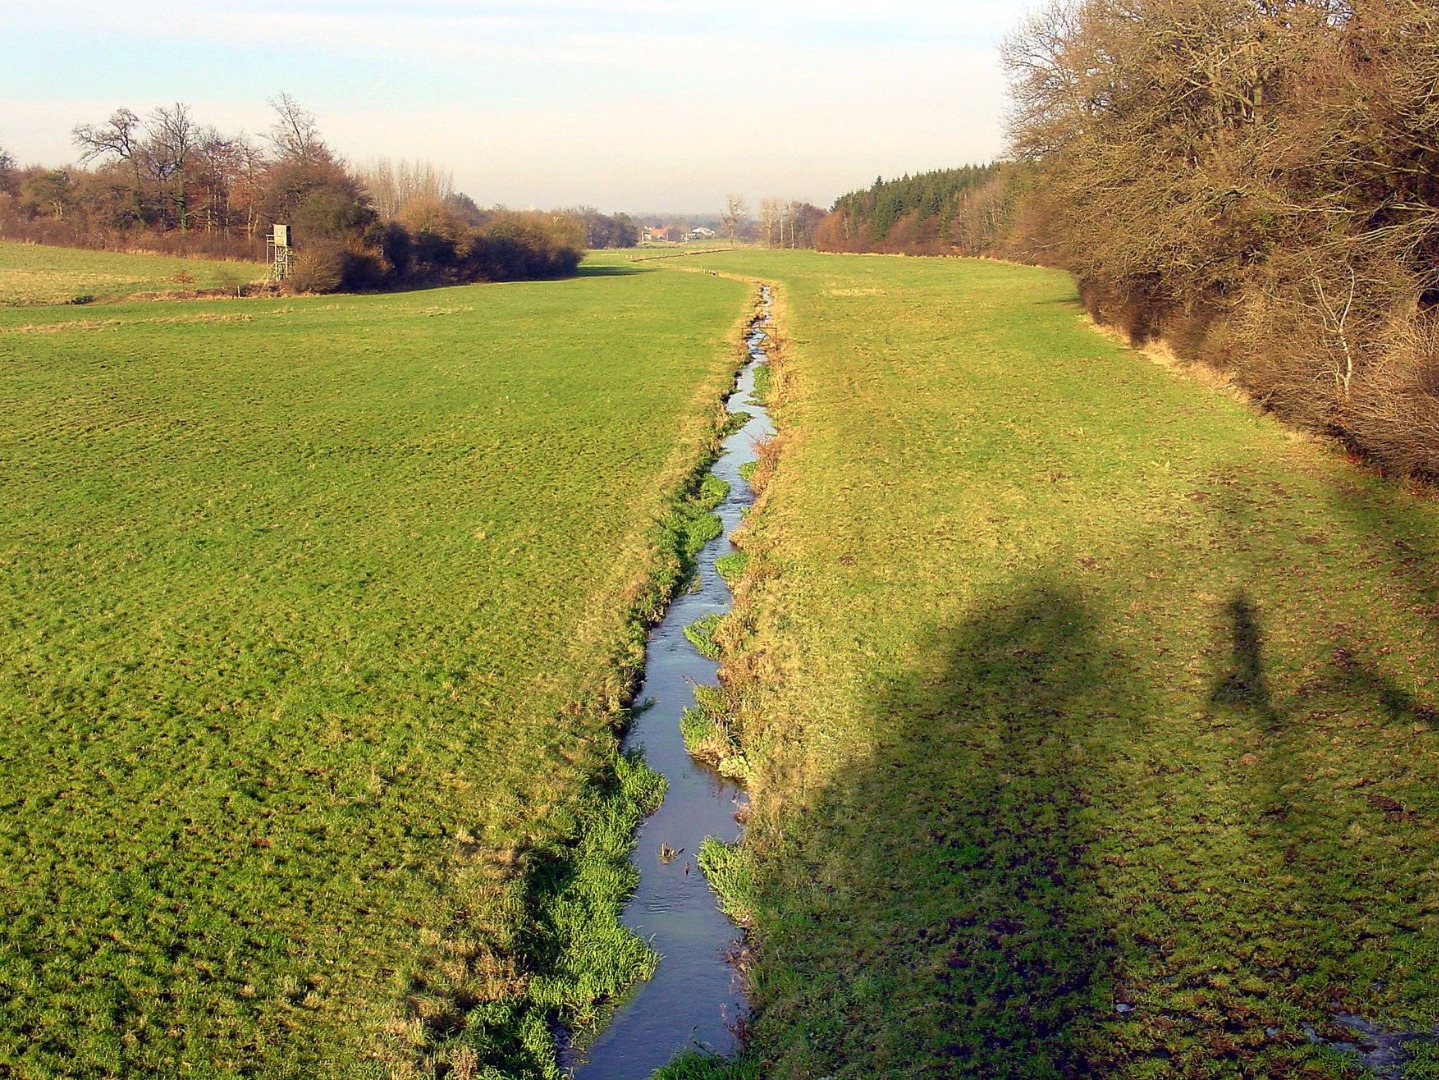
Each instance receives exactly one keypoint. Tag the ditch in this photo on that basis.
(695, 998)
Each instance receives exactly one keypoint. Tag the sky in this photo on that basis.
(625, 105)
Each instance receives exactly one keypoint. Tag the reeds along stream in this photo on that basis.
(696, 994)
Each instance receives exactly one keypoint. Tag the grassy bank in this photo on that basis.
(315, 624)
(1091, 719)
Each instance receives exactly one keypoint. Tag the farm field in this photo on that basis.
(315, 615)
(41, 274)
(1092, 716)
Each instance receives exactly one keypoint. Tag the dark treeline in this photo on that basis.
(932, 213)
(165, 182)
(1256, 183)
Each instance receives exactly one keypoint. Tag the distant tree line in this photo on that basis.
(607, 230)
(930, 213)
(167, 182)
(787, 223)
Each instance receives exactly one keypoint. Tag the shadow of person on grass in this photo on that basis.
(959, 935)
(1316, 834)
(1244, 685)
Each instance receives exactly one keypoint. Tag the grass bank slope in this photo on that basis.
(1092, 718)
(310, 615)
(42, 274)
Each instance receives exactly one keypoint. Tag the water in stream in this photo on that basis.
(695, 994)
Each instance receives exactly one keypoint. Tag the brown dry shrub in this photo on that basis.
(1018, 218)
(1311, 326)
(1281, 357)
(914, 234)
(1331, 337)
(1134, 306)
(318, 269)
(1195, 330)
(1394, 410)
(768, 454)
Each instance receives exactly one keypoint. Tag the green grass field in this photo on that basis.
(314, 618)
(1091, 717)
(32, 274)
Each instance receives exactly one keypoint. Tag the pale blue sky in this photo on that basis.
(627, 105)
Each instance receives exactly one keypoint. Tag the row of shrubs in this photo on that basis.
(1258, 185)
(505, 245)
(1255, 184)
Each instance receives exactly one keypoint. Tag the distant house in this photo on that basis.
(658, 234)
(700, 232)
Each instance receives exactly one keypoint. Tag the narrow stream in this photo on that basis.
(695, 994)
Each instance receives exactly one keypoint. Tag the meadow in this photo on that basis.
(315, 622)
(35, 274)
(1090, 715)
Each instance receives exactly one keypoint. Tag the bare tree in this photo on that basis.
(1335, 314)
(119, 138)
(295, 133)
(788, 223)
(392, 185)
(1258, 179)
(804, 218)
(733, 216)
(159, 150)
(222, 181)
(771, 222)
(172, 139)
(246, 181)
